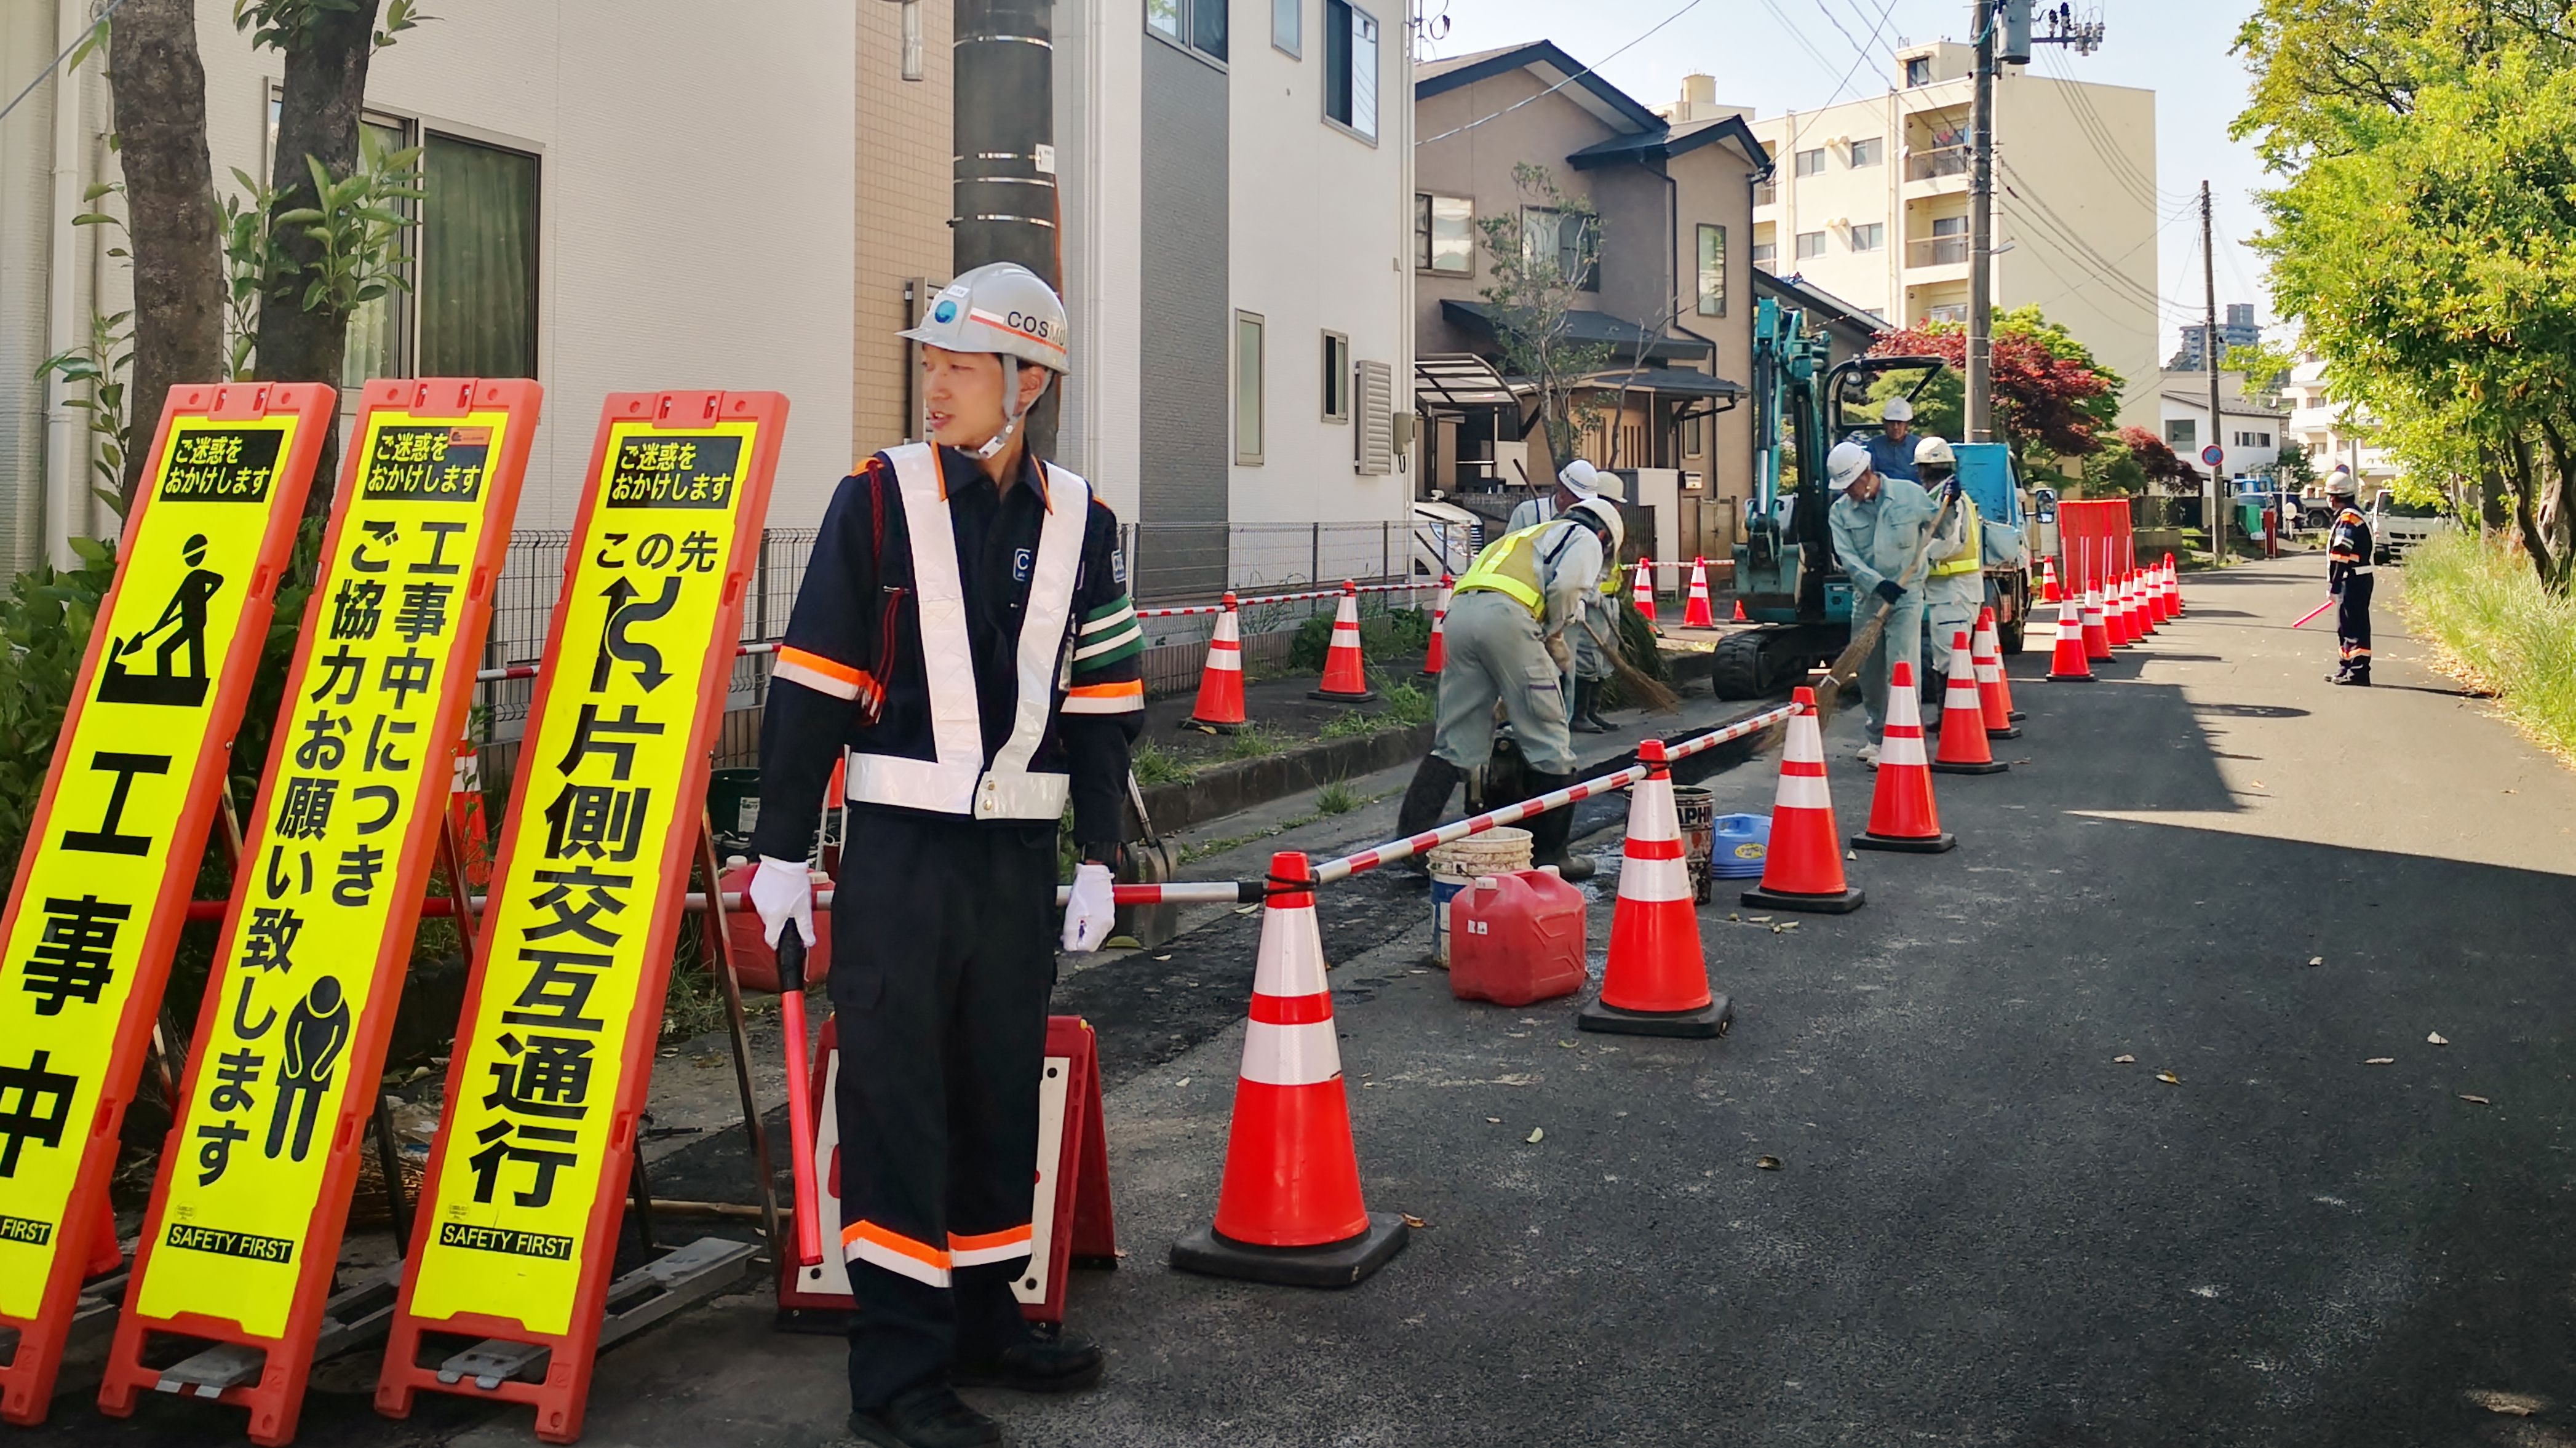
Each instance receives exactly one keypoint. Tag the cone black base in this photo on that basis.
(1709, 1020)
(1991, 766)
(1842, 904)
(2074, 679)
(2007, 732)
(2018, 715)
(1205, 727)
(1364, 696)
(1345, 1263)
(1906, 844)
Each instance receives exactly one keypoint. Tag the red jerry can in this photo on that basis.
(755, 964)
(1516, 938)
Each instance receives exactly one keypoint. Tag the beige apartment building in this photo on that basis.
(1870, 202)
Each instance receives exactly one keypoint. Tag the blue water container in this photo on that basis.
(1742, 842)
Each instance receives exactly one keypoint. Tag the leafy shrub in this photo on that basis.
(1386, 635)
(2501, 629)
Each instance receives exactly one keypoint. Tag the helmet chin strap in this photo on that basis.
(1001, 439)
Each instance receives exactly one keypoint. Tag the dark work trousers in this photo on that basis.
(944, 955)
(2352, 623)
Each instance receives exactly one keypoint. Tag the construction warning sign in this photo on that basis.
(520, 1218)
(282, 1074)
(112, 851)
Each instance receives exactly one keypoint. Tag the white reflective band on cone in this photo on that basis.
(1901, 749)
(1654, 882)
(1805, 745)
(1300, 1055)
(1291, 960)
(1651, 812)
(1805, 791)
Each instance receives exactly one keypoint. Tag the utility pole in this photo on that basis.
(1004, 123)
(1981, 229)
(2211, 518)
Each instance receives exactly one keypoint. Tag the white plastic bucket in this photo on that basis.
(1455, 866)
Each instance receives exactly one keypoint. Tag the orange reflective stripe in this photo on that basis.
(978, 1241)
(822, 675)
(819, 664)
(1131, 689)
(873, 1235)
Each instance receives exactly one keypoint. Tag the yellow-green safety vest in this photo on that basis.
(1971, 556)
(1509, 566)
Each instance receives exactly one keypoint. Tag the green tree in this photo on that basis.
(2266, 366)
(1539, 255)
(2051, 397)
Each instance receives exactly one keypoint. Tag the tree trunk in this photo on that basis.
(2492, 516)
(2518, 449)
(324, 94)
(160, 89)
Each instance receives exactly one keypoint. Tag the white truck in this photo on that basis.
(2395, 527)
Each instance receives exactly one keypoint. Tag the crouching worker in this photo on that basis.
(1506, 642)
(964, 632)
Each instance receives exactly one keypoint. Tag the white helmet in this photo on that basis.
(1580, 477)
(1002, 308)
(1897, 410)
(1605, 513)
(1933, 452)
(1845, 464)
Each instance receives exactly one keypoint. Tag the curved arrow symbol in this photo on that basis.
(625, 610)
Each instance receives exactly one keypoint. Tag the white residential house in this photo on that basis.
(2252, 434)
(2330, 431)
(1236, 183)
(582, 227)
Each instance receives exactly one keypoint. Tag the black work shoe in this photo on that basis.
(2358, 678)
(929, 1416)
(1581, 725)
(1570, 867)
(1069, 1364)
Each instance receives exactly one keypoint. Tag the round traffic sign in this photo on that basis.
(2212, 454)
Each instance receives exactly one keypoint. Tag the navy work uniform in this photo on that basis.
(2348, 579)
(996, 623)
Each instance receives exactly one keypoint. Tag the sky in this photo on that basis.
(1776, 55)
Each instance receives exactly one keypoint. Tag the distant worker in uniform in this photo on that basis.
(1954, 581)
(1506, 642)
(1575, 482)
(1891, 452)
(2348, 578)
(1877, 524)
(964, 631)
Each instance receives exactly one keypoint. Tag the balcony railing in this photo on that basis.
(1937, 251)
(1954, 314)
(1946, 161)
(1767, 194)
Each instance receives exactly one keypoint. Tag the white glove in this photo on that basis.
(783, 891)
(1088, 913)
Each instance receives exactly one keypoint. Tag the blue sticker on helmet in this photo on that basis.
(945, 312)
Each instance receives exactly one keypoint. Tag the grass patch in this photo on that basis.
(1156, 765)
(1253, 742)
(1351, 725)
(1409, 703)
(2499, 630)
(1337, 798)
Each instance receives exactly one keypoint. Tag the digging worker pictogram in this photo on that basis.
(964, 631)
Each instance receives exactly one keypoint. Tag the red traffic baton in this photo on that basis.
(800, 1103)
(2312, 613)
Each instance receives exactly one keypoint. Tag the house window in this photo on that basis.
(1712, 271)
(1444, 234)
(1918, 71)
(1872, 237)
(1694, 434)
(1247, 388)
(1765, 254)
(1950, 226)
(1573, 240)
(1811, 163)
(1811, 244)
(2182, 432)
(1337, 377)
(1288, 25)
(1350, 67)
(2253, 439)
(1198, 24)
(1869, 151)
(478, 261)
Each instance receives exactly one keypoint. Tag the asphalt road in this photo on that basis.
(1985, 1228)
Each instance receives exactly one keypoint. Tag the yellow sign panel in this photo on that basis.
(565, 941)
(107, 850)
(360, 758)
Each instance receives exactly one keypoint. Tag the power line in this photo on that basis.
(1687, 7)
(87, 31)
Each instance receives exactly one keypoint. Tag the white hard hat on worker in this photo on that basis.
(1603, 515)
(1846, 465)
(1002, 310)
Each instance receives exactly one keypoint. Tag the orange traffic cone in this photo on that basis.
(2097, 631)
(1642, 591)
(1994, 700)
(1345, 674)
(2067, 665)
(1963, 718)
(2115, 615)
(1220, 705)
(1290, 1209)
(2048, 581)
(1656, 980)
(1804, 868)
(2143, 582)
(1696, 613)
(1901, 813)
(1739, 613)
(1438, 655)
(2124, 631)
(2173, 588)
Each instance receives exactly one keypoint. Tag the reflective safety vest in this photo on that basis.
(958, 781)
(1971, 556)
(1509, 566)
